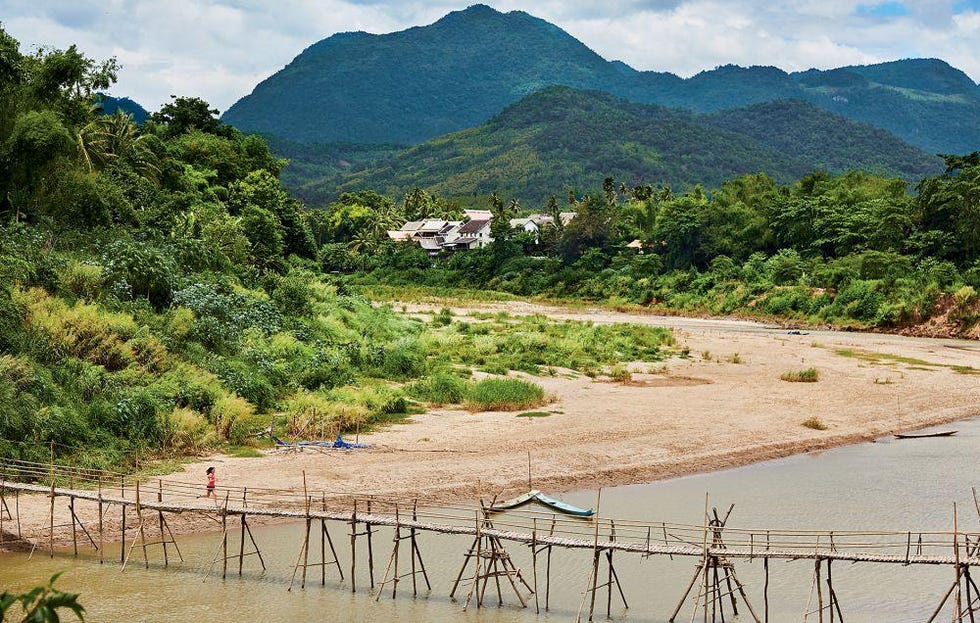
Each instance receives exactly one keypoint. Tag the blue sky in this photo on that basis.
(220, 49)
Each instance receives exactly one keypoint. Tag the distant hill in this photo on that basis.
(823, 140)
(111, 104)
(409, 86)
(560, 138)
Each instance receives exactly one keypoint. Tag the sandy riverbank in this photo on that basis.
(723, 405)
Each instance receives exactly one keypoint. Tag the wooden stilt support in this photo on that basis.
(163, 535)
(353, 548)
(101, 526)
(76, 522)
(370, 536)
(325, 541)
(392, 575)
(490, 560)
(51, 516)
(716, 576)
(122, 529)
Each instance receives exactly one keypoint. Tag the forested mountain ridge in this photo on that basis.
(566, 139)
(412, 85)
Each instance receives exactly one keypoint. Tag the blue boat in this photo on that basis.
(536, 497)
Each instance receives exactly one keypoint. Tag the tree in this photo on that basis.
(592, 227)
(264, 234)
(417, 204)
(678, 225)
(186, 114)
(117, 139)
(950, 204)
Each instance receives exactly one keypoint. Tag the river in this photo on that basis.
(891, 484)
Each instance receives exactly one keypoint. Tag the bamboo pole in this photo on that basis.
(353, 548)
(370, 547)
(51, 516)
(122, 529)
(101, 527)
(163, 536)
(534, 563)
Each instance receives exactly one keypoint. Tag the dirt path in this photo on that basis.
(724, 405)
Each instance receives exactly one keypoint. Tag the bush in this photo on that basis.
(809, 375)
(147, 270)
(504, 394)
(229, 409)
(82, 279)
(815, 423)
(440, 389)
(188, 432)
(403, 359)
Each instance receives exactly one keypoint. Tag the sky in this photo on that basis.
(220, 49)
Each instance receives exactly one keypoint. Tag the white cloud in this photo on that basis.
(219, 49)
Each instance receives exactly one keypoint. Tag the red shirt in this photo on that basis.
(211, 480)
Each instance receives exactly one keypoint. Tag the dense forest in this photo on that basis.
(561, 139)
(161, 292)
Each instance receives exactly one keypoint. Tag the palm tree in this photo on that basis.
(110, 139)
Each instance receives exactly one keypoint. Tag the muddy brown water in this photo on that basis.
(887, 485)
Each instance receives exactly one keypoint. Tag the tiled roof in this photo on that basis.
(473, 226)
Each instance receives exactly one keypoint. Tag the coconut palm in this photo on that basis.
(111, 139)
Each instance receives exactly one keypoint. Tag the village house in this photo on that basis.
(533, 223)
(435, 235)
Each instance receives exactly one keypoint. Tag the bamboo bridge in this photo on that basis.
(713, 545)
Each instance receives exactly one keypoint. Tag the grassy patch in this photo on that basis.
(535, 344)
(884, 358)
(243, 452)
(504, 395)
(814, 423)
(911, 363)
(439, 389)
(534, 414)
(808, 375)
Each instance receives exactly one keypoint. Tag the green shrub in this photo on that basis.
(440, 389)
(229, 409)
(814, 423)
(188, 432)
(82, 279)
(504, 394)
(808, 375)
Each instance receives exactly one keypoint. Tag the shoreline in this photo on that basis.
(705, 412)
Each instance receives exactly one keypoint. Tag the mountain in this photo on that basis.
(112, 104)
(924, 101)
(561, 138)
(409, 86)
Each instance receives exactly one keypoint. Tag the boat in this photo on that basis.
(945, 433)
(535, 496)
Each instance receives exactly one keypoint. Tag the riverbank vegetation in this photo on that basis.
(161, 293)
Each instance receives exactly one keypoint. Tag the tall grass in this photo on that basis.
(504, 394)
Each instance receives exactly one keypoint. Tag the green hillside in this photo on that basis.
(564, 139)
(409, 86)
(827, 141)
